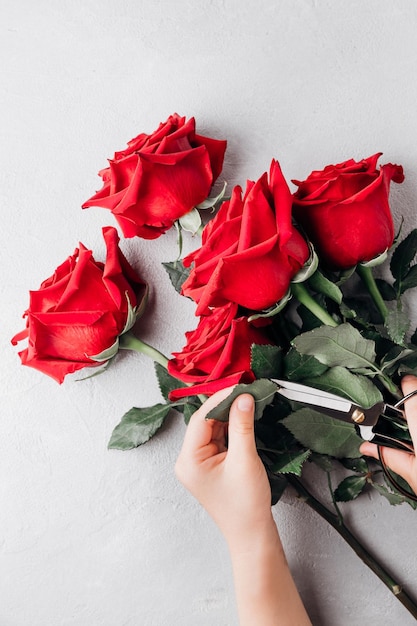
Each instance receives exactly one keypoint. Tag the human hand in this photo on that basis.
(230, 480)
(403, 463)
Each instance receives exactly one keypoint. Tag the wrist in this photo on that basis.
(257, 540)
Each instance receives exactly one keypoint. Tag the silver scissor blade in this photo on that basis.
(315, 397)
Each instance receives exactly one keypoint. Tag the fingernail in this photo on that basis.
(245, 403)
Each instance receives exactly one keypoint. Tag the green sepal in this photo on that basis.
(177, 273)
(266, 361)
(137, 426)
(106, 354)
(210, 203)
(350, 488)
(191, 221)
(273, 310)
(263, 392)
(323, 285)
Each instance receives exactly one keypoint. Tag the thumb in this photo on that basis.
(241, 425)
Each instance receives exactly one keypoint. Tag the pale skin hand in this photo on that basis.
(232, 485)
(402, 463)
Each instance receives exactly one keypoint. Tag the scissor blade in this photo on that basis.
(315, 397)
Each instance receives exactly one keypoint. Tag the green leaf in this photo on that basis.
(397, 324)
(389, 362)
(403, 256)
(137, 426)
(341, 345)
(189, 409)
(177, 273)
(291, 462)
(392, 497)
(262, 390)
(359, 465)
(386, 290)
(298, 366)
(323, 461)
(350, 488)
(410, 279)
(266, 361)
(323, 434)
(325, 286)
(166, 382)
(342, 382)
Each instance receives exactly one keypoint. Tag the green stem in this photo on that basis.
(128, 341)
(356, 546)
(300, 292)
(368, 278)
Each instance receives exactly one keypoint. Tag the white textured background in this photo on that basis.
(91, 537)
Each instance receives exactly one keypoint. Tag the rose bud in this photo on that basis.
(250, 250)
(344, 210)
(217, 353)
(76, 316)
(159, 178)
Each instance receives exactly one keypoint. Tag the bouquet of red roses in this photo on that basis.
(284, 288)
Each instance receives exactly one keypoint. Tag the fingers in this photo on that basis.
(409, 384)
(241, 426)
(401, 463)
(199, 432)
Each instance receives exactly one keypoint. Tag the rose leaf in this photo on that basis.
(262, 390)
(397, 324)
(403, 255)
(137, 426)
(298, 366)
(291, 462)
(266, 360)
(341, 345)
(177, 273)
(355, 387)
(323, 434)
(350, 488)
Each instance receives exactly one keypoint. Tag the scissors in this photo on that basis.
(383, 424)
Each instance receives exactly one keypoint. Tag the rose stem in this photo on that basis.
(368, 278)
(303, 296)
(128, 341)
(363, 554)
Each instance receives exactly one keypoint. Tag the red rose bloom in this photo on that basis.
(80, 311)
(250, 251)
(217, 353)
(344, 210)
(159, 177)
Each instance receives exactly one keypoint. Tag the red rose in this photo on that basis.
(80, 311)
(344, 210)
(250, 251)
(217, 354)
(159, 177)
